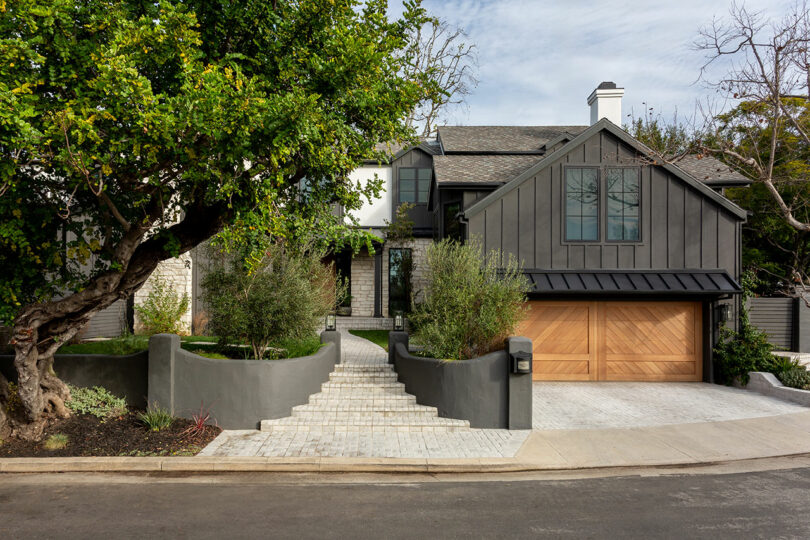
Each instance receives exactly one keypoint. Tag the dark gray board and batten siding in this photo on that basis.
(680, 227)
(775, 317)
(419, 214)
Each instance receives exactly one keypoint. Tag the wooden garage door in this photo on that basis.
(615, 341)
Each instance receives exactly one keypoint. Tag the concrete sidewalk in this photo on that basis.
(544, 450)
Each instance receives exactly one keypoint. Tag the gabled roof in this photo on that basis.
(711, 170)
(483, 169)
(396, 150)
(501, 139)
(619, 133)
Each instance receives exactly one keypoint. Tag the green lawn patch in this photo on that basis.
(122, 345)
(380, 337)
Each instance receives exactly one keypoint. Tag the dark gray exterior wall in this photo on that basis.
(476, 390)
(239, 393)
(680, 228)
(421, 217)
(803, 327)
(124, 376)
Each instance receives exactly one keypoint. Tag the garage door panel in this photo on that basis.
(564, 340)
(632, 341)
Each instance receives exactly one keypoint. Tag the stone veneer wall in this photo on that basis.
(176, 271)
(362, 285)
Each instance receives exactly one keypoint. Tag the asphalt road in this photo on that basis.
(759, 504)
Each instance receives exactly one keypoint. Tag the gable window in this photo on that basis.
(622, 205)
(400, 270)
(581, 204)
(414, 185)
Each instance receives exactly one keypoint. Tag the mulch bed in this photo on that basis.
(122, 436)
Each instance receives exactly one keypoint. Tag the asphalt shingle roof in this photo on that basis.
(481, 169)
(709, 169)
(501, 138)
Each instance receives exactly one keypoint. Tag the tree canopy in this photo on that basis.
(133, 130)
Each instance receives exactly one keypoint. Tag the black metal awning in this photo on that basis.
(632, 282)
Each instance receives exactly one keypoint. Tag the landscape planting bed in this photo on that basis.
(121, 436)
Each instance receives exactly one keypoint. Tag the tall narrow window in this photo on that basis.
(623, 205)
(581, 204)
(452, 226)
(414, 185)
(400, 270)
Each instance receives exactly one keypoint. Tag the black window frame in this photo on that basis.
(564, 212)
(418, 200)
(392, 309)
(446, 220)
(607, 211)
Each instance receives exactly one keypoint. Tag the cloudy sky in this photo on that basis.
(539, 60)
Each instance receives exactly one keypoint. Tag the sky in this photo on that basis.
(539, 60)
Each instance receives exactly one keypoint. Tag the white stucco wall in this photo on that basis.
(375, 213)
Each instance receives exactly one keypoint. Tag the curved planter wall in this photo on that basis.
(476, 390)
(238, 393)
(124, 376)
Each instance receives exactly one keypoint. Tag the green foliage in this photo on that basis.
(779, 364)
(401, 229)
(378, 337)
(739, 353)
(471, 305)
(163, 308)
(131, 131)
(797, 377)
(778, 252)
(283, 298)
(57, 441)
(96, 401)
(118, 346)
(156, 417)
(668, 139)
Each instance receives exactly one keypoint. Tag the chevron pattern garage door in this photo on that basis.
(615, 341)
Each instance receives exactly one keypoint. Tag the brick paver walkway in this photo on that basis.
(589, 405)
(362, 411)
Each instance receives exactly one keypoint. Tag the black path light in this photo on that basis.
(399, 322)
(331, 323)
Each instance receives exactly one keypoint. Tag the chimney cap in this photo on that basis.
(605, 85)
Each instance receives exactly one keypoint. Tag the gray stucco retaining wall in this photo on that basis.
(477, 390)
(238, 393)
(768, 384)
(124, 376)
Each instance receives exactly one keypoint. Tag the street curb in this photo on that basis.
(304, 465)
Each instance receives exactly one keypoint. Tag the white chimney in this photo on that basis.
(606, 102)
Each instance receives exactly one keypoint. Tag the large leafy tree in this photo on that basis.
(133, 130)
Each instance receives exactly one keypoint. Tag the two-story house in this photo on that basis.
(630, 258)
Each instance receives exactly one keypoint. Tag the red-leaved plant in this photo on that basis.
(200, 419)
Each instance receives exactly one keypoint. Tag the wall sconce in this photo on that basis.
(399, 323)
(723, 313)
(331, 323)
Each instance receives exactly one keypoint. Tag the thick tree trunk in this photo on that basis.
(40, 329)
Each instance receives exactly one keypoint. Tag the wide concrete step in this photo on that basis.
(352, 406)
(363, 368)
(318, 416)
(362, 386)
(363, 377)
(299, 424)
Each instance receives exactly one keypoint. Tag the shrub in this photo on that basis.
(163, 308)
(779, 364)
(285, 296)
(96, 401)
(471, 304)
(739, 353)
(57, 441)
(795, 378)
(156, 417)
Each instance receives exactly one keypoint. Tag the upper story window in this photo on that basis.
(581, 204)
(623, 205)
(414, 185)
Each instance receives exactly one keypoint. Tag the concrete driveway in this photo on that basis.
(600, 405)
